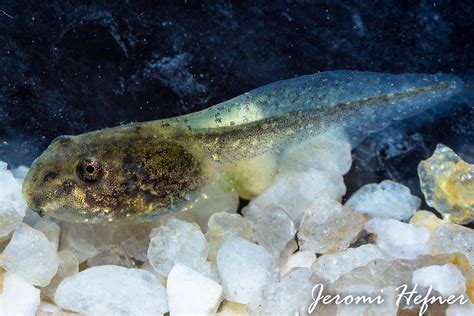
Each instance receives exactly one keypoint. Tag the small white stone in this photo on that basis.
(20, 172)
(111, 255)
(148, 267)
(382, 273)
(31, 217)
(30, 255)
(178, 242)
(18, 297)
(47, 309)
(289, 250)
(460, 309)
(330, 267)
(12, 205)
(451, 237)
(272, 227)
(244, 268)
(189, 292)
(112, 290)
(136, 247)
(446, 279)
(397, 239)
(51, 231)
(330, 152)
(327, 226)
(129, 238)
(388, 199)
(68, 266)
(213, 200)
(289, 297)
(84, 239)
(223, 226)
(293, 191)
(300, 259)
(78, 238)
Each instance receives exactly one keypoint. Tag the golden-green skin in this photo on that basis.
(149, 169)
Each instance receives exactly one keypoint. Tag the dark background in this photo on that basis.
(67, 67)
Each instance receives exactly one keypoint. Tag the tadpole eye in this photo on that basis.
(89, 170)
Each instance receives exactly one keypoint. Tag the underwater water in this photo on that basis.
(352, 217)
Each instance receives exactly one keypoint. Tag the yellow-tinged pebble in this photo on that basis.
(447, 182)
(462, 263)
(232, 309)
(426, 219)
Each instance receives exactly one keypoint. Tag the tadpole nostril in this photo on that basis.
(39, 212)
(50, 176)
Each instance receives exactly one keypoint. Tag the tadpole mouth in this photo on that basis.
(38, 211)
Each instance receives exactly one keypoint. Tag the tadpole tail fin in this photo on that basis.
(358, 102)
(416, 93)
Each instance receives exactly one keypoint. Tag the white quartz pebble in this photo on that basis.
(450, 237)
(111, 255)
(446, 279)
(300, 259)
(289, 297)
(68, 266)
(293, 191)
(272, 227)
(331, 266)
(223, 226)
(189, 292)
(12, 205)
(244, 268)
(20, 172)
(397, 239)
(330, 151)
(47, 309)
(112, 290)
(79, 238)
(18, 297)
(136, 247)
(178, 242)
(460, 309)
(388, 199)
(30, 255)
(213, 199)
(50, 229)
(327, 226)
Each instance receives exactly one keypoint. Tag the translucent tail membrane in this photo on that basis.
(358, 103)
(399, 96)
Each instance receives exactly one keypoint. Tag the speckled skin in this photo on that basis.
(143, 170)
